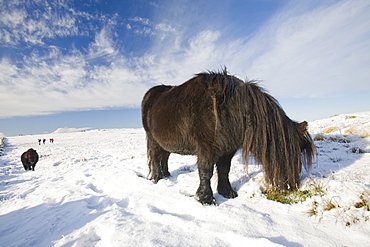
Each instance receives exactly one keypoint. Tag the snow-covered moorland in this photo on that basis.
(90, 189)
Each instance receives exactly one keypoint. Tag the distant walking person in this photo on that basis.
(39, 141)
(51, 140)
(44, 140)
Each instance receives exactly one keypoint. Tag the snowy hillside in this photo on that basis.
(90, 189)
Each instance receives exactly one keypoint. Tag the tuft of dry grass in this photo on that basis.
(365, 134)
(329, 205)
(332, 129)
(313, 211)
(357, 150)
(363, 203)
(44, 155)
(319, 137)
(350, 131)
(337, 138)
(342, 213)
(360, 132)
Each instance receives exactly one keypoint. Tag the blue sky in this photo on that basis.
(75, 64)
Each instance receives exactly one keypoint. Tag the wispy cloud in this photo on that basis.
(102, 46)
(144, 26)
(320, 49)
(315, 52)
(141, 20)
(302, 51)
(48, 19)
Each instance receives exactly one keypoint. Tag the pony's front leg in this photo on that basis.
(204, 193)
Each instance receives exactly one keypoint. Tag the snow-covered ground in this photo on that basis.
(90, 189)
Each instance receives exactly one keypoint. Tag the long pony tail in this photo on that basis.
(272, 139)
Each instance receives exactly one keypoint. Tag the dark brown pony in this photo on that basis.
(29, 159)
(213, 115)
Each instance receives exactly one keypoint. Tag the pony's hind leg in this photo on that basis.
(164, 163)
(223, 168)
(157, 161)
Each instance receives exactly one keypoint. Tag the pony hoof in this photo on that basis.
(207, 202)
(229, 195)
(227, 192)
(156, 178)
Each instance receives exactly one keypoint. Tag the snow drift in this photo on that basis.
(90, 189)
(70, 130)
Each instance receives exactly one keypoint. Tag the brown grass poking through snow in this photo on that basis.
(331, 129)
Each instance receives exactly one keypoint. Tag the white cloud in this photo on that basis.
(8, 70)
(32, 22)
(146, 27)
(165, 27)
(13, 17)
(301, 52)
(55, 82)
(322, 52)
(144, 21)
(102, 46)
(305, 50)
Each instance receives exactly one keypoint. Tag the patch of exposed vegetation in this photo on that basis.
(329, 205)
(342, 212)
(357, 150)
(330, 129)
(337, 138)
(319, 137)
(363, 203)
(360, 132)
(292, 196)
(2, 144)
(44, 155)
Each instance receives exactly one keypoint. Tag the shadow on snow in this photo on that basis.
(45, 223)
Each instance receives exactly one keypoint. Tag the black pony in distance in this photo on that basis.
(29, 159)
(213, 115)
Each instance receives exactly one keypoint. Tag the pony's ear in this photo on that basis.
(302, 127)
